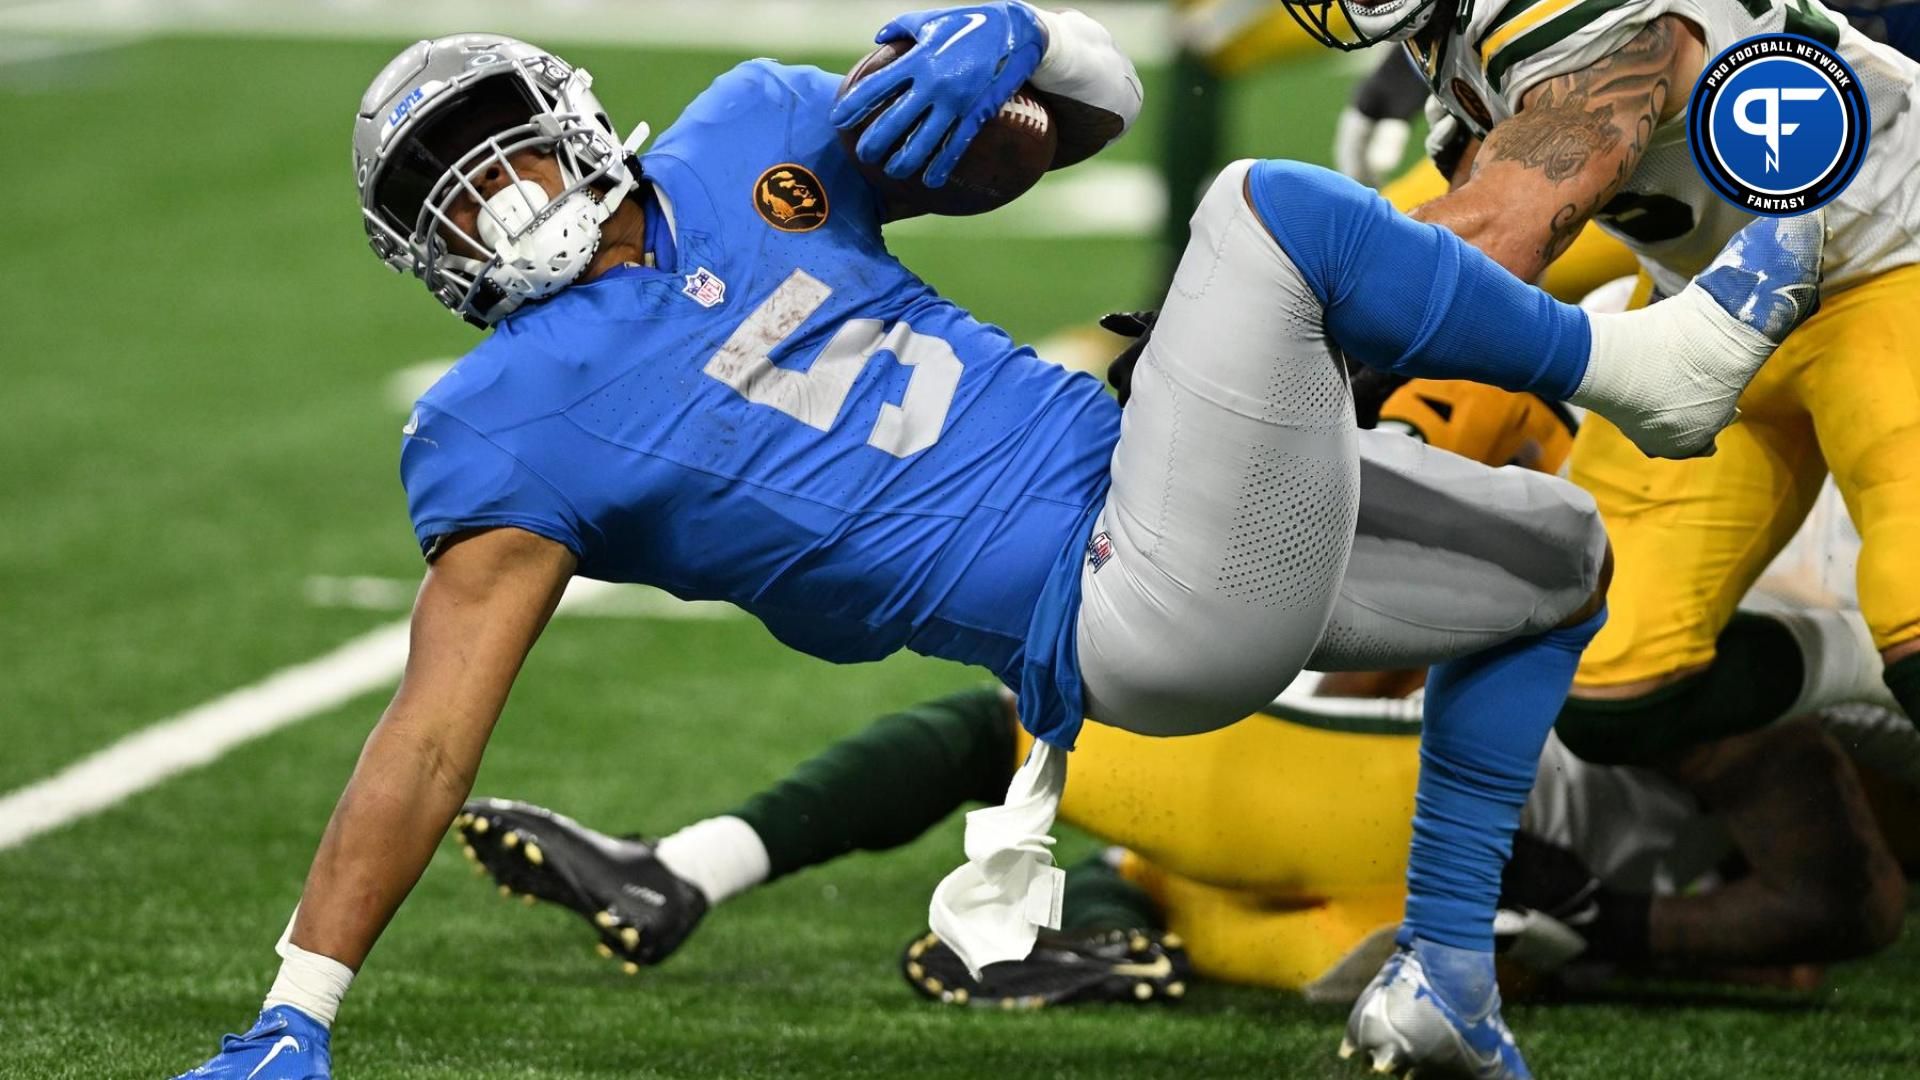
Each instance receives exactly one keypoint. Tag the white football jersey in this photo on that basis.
(1666, 212)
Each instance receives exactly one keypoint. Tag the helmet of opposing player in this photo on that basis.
(1366, 23)
(448, 110)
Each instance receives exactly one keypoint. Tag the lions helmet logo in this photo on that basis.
(790, 198)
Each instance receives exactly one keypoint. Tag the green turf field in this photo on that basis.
(194, 422)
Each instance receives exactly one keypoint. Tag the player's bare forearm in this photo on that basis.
(1821, 884)
(483, 604)
(1540, 175)
(403, 794)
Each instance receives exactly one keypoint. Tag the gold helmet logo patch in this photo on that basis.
(790, 198)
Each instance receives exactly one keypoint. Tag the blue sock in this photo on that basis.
(1487, 718)
(1413, 298)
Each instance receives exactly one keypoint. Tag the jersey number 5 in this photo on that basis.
(815, 396)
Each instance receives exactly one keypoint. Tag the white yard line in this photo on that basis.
(204, 734)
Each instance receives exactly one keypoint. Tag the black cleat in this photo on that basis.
(1074, 967)
(641, 910)
(1549, 900)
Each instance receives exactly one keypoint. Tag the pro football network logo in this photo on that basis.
(1778, 125)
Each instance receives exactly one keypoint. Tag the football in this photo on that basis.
(1009, 155)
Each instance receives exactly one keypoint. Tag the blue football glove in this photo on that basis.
(966, 62)
(285, 1044)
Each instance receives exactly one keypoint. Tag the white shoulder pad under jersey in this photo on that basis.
(1665, 212)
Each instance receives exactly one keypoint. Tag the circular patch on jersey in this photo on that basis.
(1471, 104)
(1778, 125)
(790, 198)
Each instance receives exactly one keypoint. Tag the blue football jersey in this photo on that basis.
(780, 415)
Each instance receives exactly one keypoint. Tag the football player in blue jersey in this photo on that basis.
(707, 373)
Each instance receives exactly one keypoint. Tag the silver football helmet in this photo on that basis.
(447, 109)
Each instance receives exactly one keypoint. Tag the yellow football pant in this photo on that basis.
(1272, 847)
(1690, 537)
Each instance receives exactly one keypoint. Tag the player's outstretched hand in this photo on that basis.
(965, 63)
(284, 1044)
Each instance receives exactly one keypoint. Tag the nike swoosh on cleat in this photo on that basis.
(974, 22)
(285, 1042)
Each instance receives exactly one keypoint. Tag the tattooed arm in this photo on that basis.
(1539, 175)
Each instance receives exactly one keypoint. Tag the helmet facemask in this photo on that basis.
(525, 244)
(1364, 24)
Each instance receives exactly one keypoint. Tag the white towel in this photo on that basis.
(992, 908)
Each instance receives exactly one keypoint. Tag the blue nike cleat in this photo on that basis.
(285, 1044)
(1768, 275)
(1434, 1011)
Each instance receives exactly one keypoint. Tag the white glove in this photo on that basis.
(1376, 123)
(1366, 149)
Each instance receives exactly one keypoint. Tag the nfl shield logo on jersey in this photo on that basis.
(706, 289)
(1778, 124)
(1099, 550)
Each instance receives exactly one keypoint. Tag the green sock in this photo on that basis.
(1754, 679)
(1903, 678)
(1098, 898)
(887, 784)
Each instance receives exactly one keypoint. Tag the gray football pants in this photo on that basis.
(1256, 531)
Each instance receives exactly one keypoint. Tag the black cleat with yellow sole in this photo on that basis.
(1066, 968)
(640, 909)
